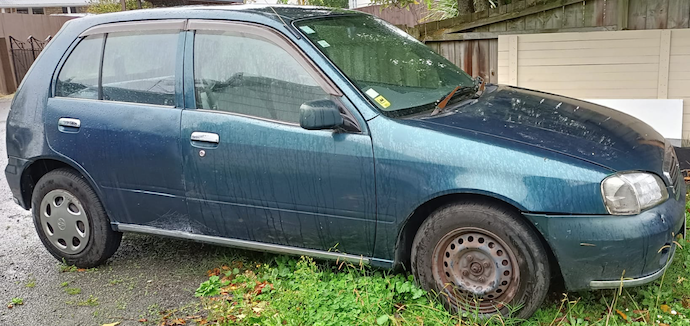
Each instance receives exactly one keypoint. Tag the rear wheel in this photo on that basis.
(481, 259)
(70, 220)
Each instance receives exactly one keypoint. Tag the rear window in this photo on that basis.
(79, 75)
(134, 67)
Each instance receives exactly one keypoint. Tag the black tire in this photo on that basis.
(448, 242)
(102, 240)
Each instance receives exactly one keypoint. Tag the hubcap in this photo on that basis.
(64, 221)
(476, 269)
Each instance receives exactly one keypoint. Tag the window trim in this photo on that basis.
(274, 36)
(136, 26)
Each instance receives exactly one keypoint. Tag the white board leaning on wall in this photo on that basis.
(666, 116)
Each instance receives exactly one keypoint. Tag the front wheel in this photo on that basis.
(70, 220)
(481, 259)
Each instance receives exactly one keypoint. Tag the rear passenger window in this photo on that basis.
(246, 74)
(79, 75)
(140, 67)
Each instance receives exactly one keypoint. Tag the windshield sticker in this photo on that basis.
(323, 43)
(372, 93)
(307, 29)
(382, 101)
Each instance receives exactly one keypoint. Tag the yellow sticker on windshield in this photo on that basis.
(382, 101)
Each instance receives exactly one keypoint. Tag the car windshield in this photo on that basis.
(399, 74)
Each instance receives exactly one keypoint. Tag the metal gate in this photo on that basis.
(24, 54)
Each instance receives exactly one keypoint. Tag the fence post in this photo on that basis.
(664, 63)
(33, 51)
(7, 85)
(513, 60)
(13, 43)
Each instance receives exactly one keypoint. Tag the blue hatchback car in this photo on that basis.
(304, 130)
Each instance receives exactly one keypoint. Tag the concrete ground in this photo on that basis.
(148, 275)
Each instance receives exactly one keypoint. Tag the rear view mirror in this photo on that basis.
(320, 114)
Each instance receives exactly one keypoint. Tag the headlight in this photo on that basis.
(628, 193)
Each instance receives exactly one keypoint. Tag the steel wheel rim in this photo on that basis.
(475, 270)
(64, 221)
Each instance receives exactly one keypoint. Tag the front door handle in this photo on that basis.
(69, 122)
(205, 137)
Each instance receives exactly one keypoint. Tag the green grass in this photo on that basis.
(278, 290)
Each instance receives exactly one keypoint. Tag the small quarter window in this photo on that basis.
(79, 75)
(140, 67)
(250, 75)
(37, 11)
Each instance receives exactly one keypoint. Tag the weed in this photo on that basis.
(154, 309)
(72, 291)
(17, 301)
(63, 284)
(31, 283)
(90, 302)
(64, 268)
(115, 281)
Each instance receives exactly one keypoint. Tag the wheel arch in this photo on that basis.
(38, 167)
(403, 248)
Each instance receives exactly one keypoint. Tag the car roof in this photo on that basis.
(285, 13)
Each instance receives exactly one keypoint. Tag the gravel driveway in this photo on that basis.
(146, 276)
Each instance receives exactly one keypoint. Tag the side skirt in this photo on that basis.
(243, 244)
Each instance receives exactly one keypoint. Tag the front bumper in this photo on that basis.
(601, 251)
(598, 285)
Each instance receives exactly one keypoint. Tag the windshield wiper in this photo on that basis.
(464, 90)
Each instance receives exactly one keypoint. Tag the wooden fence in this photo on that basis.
(471, 41)
(651, 64)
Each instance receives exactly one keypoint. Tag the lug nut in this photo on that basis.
(481, 279)
(470, 257)
(465, 273)
(486, 265)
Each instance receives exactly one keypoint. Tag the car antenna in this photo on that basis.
(285, 24)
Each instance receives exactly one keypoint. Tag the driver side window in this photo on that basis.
(246, 74)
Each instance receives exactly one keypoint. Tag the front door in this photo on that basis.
(114, 113)
(251, 171)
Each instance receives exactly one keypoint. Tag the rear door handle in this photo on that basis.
(69, 125)
(205, 137)
(69, 122)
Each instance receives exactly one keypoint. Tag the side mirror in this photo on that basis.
(320, 114)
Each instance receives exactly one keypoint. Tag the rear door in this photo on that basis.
(115, 112)
(251, 171)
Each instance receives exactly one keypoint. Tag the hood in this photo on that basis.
(572, 127)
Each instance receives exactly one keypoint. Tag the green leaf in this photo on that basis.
(382, 320)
